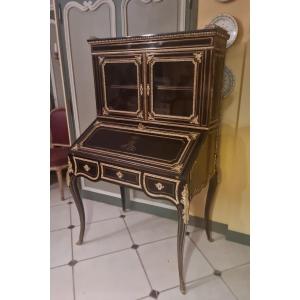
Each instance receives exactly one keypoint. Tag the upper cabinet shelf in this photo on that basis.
(172, 79)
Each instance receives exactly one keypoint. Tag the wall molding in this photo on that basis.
(180, 16)
(52, 22)
(86, 6)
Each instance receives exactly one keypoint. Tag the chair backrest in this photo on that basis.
(59, 127)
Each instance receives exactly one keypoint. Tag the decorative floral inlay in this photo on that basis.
(120, 174)
(86, 168)
(159, 186)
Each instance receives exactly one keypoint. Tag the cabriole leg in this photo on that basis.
(209, 199)
(80, 208)
(180, 246)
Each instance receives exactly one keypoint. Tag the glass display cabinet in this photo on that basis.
(157, 126)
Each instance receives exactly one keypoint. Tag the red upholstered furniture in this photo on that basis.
(59, 144)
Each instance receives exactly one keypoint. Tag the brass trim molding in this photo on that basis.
(210, 31)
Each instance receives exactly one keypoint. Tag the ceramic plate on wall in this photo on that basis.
(228, 82)
(228, 23)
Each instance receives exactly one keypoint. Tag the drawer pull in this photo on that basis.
(119, 174)
(159, 186)
(86, 168)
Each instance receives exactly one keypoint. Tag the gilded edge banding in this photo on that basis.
(186, 204)
(207, 34)
(174, 200)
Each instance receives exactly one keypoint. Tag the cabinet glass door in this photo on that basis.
(172, 87)
(122, 86)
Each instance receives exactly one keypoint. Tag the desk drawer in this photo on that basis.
(161, 187)
(87, 168)
(121, 175)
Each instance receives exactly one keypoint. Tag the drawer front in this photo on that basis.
(161, 187)
(87, 168)
(121, 175)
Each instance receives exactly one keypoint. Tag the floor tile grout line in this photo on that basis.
(98, 221)
(213, 268)
(103, 254)
(188, 282)
(138, 255)
(177, 286)
(229, 288)
(59, 266)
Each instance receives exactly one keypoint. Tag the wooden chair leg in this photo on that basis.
(60, 183)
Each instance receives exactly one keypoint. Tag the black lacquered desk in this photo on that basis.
(158, 120)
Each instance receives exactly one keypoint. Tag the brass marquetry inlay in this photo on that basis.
(149, 58)
(138, 59)
(148, 89)
(141, 89)
(198, 57)
(177, 167)
(100, 59)
(159, 186)
(150, 116)
(195, 120)
(141, 126)
(120, 174)
(104, 111)
(86, 168)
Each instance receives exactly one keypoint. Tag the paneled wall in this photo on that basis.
(232, 203)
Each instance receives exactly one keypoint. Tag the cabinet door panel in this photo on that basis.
(173, 80)
(122, 88)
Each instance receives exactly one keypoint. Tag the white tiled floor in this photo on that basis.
(106, 267)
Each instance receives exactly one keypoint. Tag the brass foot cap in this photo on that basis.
(182, 290)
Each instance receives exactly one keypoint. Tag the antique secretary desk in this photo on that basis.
(158, 102)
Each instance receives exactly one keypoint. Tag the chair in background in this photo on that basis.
(60, 144)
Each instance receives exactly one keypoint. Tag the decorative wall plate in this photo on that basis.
(228, 82)
(228, 23)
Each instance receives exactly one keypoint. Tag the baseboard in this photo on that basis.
(221, 228)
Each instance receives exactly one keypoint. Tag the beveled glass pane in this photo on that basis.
(173, 84)
(121, 83)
